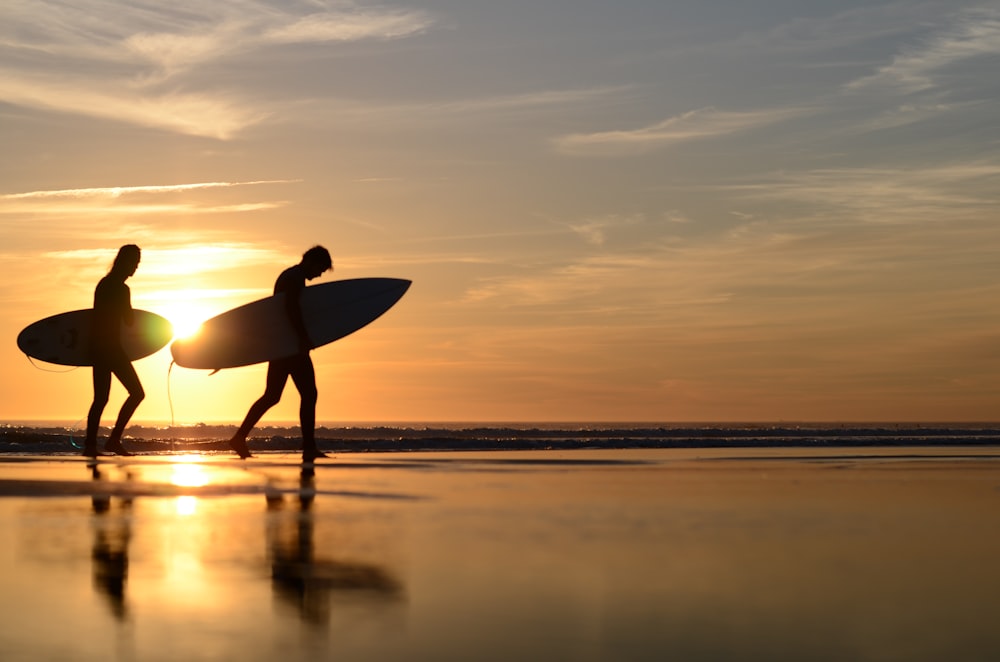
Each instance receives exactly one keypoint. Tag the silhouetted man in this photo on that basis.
(292, 282)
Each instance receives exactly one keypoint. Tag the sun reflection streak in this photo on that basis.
(188, 472)
(186, 505)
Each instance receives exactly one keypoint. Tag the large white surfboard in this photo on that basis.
(64, 339)
(260, 331)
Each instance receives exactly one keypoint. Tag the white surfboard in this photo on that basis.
(260, 331)
(64, 339)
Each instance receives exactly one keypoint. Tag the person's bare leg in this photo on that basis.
(126, 375)
(304, 378)
(276, 377)
(102, 388)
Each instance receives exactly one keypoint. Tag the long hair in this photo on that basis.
(128, 256)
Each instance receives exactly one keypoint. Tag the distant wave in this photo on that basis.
(43, 439)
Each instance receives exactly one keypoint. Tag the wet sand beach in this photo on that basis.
(690, 554)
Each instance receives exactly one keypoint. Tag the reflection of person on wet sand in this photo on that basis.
(304, 581)
(299, 367)
(110, 550)
(112, 307)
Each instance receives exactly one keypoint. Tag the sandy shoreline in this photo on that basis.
(695, 554)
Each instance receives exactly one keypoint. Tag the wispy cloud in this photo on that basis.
(911, 113)
(107, 206)
(694, 125)
(974, 34)
(351, 25)
(90, 210)
(472, 108)
(115, 60)
(118, 191)
(884, 195)
(848, 31)
(831, 296)
(228, 28)
(595, 230)
(208, 114)
(583, 283)
(530, 100)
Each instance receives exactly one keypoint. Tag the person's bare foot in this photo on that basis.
(312, 454)
(116, 449)
(240, 447)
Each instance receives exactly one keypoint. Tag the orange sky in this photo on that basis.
(638, 212)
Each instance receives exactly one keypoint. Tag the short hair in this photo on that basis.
(320, 256)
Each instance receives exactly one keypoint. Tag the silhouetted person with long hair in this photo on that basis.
(112, 308)
(291, 282)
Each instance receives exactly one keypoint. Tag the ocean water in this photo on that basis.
(52, 438)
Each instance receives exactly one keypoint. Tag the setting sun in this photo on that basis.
(185, 315)
(188, 307)
(186, 323)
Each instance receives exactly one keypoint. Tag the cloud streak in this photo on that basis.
(472, 109)
(700, 124)
(241, 27)
(118, 191)
(80, 60)
(884, 195)
(216, 115)
(112, 200)
(355, 25)
(595, 230)
(975, 34)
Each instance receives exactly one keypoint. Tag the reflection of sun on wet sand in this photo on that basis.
(302, 576)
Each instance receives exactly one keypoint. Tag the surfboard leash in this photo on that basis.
(38, 367)
(72, 439)
(170, 399)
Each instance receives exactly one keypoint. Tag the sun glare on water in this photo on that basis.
(188, 472)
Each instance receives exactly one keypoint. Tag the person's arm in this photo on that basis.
(127, 316)
(293, 308)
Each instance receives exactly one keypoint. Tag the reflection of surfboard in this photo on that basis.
(260, 331)
(65, 338)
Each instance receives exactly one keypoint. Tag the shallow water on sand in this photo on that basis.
(753, 554)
